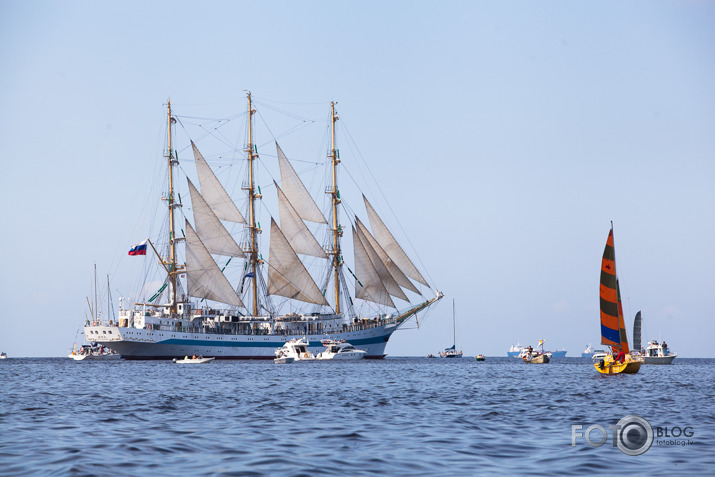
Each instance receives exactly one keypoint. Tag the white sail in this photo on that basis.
(295, 230)
(390, 245)
(214, 193)
(296, 192)
(212, 232)
(286, 274)
(203, 277)
(387, 279)
(368, 285)
(394, 270)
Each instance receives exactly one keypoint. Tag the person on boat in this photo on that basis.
(665, 348)
(186, 357)
(194, 357)
(621, 357)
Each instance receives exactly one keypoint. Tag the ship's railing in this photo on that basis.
(230, 328)
(100, 322)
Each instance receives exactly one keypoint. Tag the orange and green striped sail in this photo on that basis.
(613, 332)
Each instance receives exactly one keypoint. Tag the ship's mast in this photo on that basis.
(335, 201)
(172, 267)
(252, 196)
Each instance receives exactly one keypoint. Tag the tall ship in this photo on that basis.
(300, 291)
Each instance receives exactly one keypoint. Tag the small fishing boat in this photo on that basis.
(658, 354)
(3, 355)
(431, 356)
(613, 328)
(296, 349)
(340, 350)
(480, 357)
(529, 356)
(654, 353)
(452, 352)
(193, 360)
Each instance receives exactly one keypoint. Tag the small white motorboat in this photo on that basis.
(3, 355)
(340, 350)
(93, 352)
(658, 353)
(295, 349)
(193, 360)
(284, 360)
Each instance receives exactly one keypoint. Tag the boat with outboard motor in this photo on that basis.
(531, 356)
(249, 310)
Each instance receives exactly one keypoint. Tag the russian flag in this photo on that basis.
(138, 249)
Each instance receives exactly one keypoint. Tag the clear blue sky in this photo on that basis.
(506, 134)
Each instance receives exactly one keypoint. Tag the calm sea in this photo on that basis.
(398, 416)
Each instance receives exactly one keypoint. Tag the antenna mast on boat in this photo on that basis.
(171, 265)
(109, 300)
(252, 196)
(96, 306)
(454, 325)
(335, 201)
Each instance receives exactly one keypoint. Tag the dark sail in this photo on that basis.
(637, 332)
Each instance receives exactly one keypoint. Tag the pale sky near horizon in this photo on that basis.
(506, 136)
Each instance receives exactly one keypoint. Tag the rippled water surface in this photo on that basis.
(404, 416)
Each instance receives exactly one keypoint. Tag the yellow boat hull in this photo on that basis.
(608, 366)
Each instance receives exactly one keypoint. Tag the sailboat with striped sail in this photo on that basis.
(198, 310)
(613, 328)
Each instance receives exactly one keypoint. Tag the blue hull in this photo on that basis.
(141, 344)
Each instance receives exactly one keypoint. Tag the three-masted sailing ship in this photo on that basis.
(198, 311)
